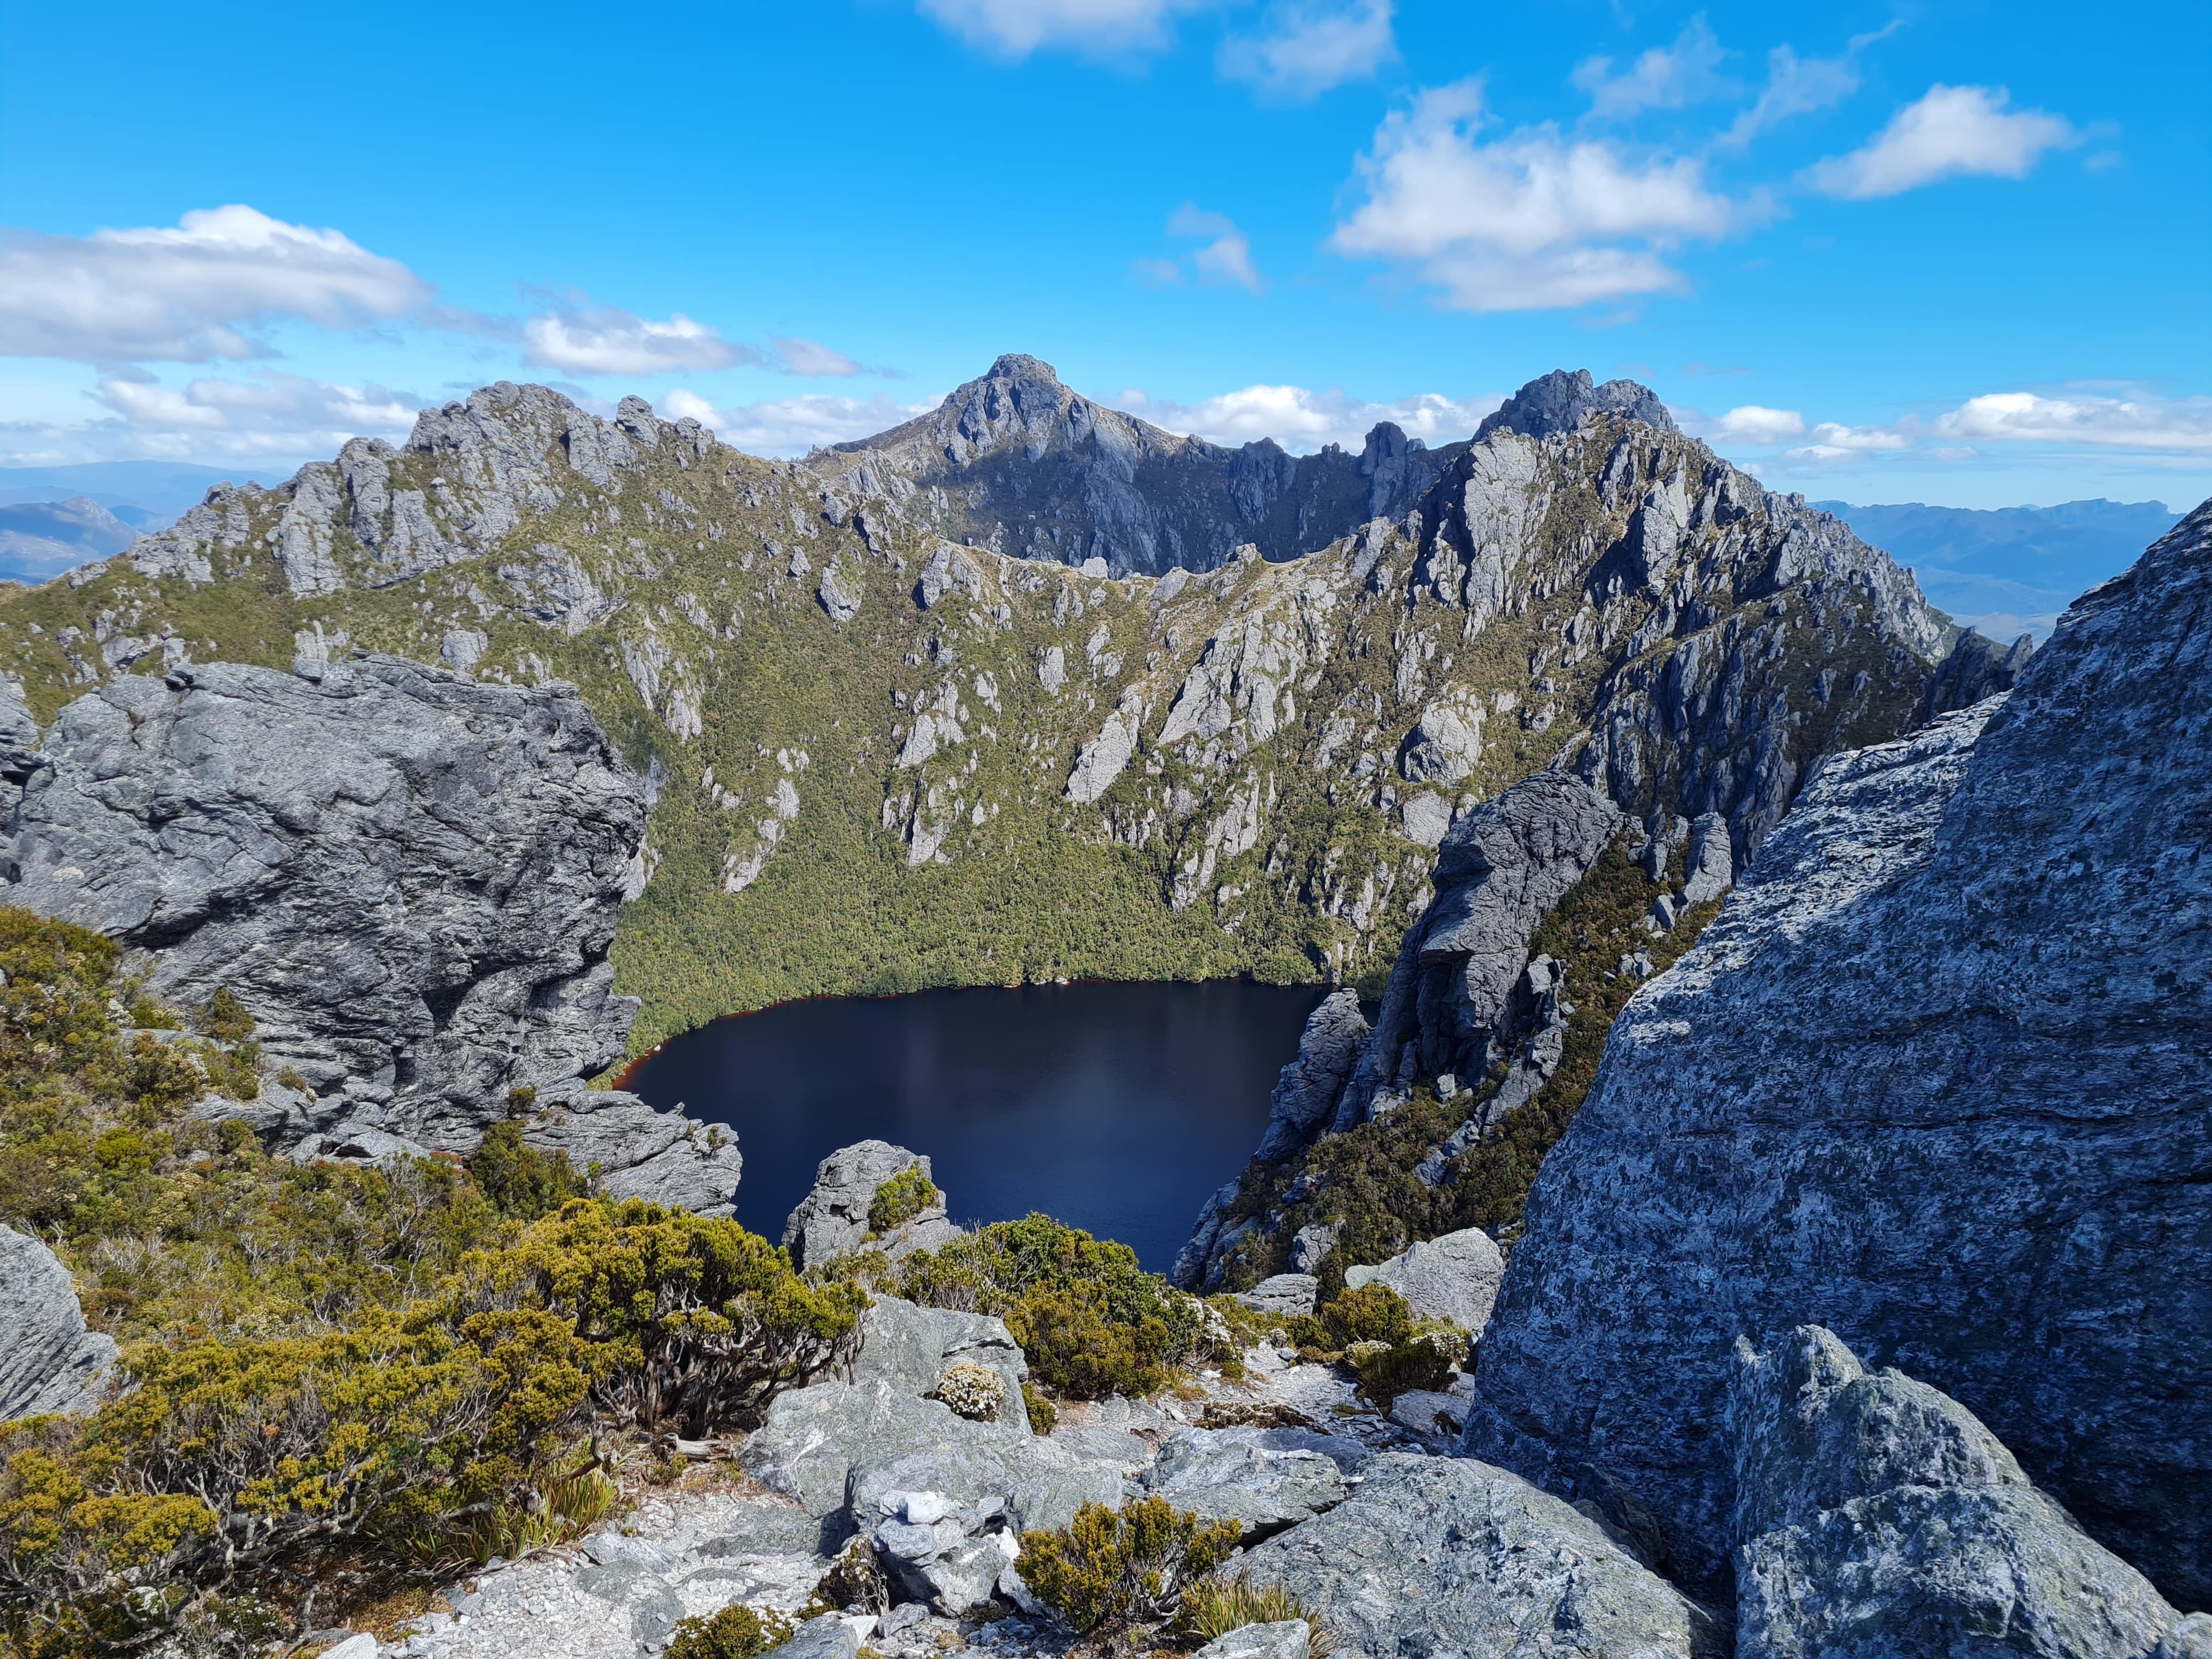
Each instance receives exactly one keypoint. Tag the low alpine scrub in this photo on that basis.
(1110, 1571)
(900, 1199)
(1214, 1606)
(735, 1632)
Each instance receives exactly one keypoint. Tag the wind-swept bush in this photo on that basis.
(1109, 1569)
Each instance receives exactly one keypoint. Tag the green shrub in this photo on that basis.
(225, 1017)
(900, 1199)
(735, 1632)
(1373, 1313)
(1421, 1362)
(1111, 1571)
(1044, 1415)
(520, 1181)
(1091, 1320)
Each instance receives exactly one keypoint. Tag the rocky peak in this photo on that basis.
(1561, 401)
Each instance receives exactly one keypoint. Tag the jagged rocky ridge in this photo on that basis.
(1937, 1077)
(880, 759)
(410, 880)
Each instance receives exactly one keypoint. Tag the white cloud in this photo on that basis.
(1306, 46)
(2142, 422)
(588, 339)
(1832, 441)
(1528, 221)
(1227, 259)
(1157, 273)
(1665, 77)
(1794, 86)
(813, 359)
(195, 292)
(283, 416)
(1302, 420)
(1015, 28)
(1752, 423)
(1951, 132)
(792, 426)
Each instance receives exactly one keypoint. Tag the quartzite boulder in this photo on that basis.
(1876, 1516)
(1226, 1476)
(49, 1362)
(1445, 1556)
(1455, 1277)
(409, 878)
(832, 1219)
(1938, 1077)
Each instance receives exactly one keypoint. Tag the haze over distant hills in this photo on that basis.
(2010, 571)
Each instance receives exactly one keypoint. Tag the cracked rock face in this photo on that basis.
(49, 1362)
(1934, 1076)
(409, 878)
(1876, 1516)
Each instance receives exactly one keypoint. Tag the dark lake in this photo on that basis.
(1115, 1108)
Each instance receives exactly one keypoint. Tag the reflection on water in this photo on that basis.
(1115, 1108)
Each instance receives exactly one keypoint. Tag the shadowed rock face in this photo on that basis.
(1017, 462)
(49, 1362)
(1937, 1077)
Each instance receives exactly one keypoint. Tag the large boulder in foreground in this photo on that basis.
(49, 1362)
(1938, 1078)
(1446, 1556)
(1876, 1516)
(410, 879)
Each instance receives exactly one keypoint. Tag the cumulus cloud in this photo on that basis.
(283, 416)
(589, 339)
(1752, 423)
(1665, 77)
(1015, 28)
(1833, 441)
(204, 289)
(2141, 422)
(792, 426)
(1302, 420)
(1304, 47)
(1528, 221)
(1227, 259)
(1951, 132)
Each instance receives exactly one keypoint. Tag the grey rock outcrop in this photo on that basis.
(408, 877)
(49, 1362)
(1305, 1095)
(1454, 1277)
(1016, 461)
(1449, 1556)
(1873, 1516)
(1224, 1476)
(910, 1347)
(824, 1637)
(1287, 1638)
(1934, 1078)
(832, 1219)
(1562, 400)
(1285, 1296)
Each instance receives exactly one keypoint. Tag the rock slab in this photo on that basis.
(1454, 1277)
(49, 1362)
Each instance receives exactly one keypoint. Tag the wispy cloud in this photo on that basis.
(1304, 47)
(1226, 257)
(1299, 419)
(1530, 220)
(204, 289)
(583, 338)
(1948, 133)
(272, 415)
(1015, 28)
(792, 426)
(813, 359)
(1665, 77)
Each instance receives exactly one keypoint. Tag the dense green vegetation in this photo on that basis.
(1109, 1571)
(388, 1365)
(1365, 1177)
(900, 1199)
(1091, 1320)
(735, 1632)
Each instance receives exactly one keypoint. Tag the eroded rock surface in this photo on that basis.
(1874, 1516)
(49, 1362)
(832, 1219)
(1455, 1277)
(1938, 1076)
(408, 877)
(1449, 1556)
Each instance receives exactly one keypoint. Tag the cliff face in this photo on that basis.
(1016, 462)
(1938, 1078)
(410, 880)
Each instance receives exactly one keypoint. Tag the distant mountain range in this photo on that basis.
(54, 518)
(2011, 571)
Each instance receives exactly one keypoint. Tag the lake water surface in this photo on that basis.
(1115, 1108)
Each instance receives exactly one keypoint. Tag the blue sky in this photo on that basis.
(1953, 252)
